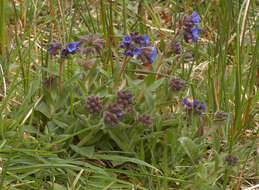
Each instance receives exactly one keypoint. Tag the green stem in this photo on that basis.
(124, 17)
(60, 75)
(2, 26)
(125, 61)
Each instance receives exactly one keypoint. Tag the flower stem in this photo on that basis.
(125, 61)
(60, 75)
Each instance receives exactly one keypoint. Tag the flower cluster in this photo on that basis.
(116, 109)
(176, 84)
(193, 107)
(231, 160)
(94, 105)
(145, 120)
(221, 115)
(124, 99)
(139, 46)
(111, 118)
(54, 47)
(113, 114)
(190, 31)
(92, 42)
(175, 47)
(71, 48)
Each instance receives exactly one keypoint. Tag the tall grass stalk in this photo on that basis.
(2, 26)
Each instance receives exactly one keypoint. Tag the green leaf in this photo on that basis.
(85, 151)
(44, 109)
(190, 148)
(156, 84)
(125, 159)
(57, 186)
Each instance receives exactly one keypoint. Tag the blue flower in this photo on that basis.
(129, 95)
(129, 52)
(72, 46)
(195, 17)
(122, 45)
(190, 31)
(195, 33)
(153, 55)
(196, 102)
(64, 52)
(185, 101)
(145, 37)
(194, 107)
(143, 40)
(120, 115)
(137, 51)
(127, 38)
(203, 107)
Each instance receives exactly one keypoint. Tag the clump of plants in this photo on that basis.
(128, 95)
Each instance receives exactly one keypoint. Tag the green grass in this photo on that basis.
(49, 140)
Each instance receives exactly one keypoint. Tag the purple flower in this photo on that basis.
(129, 95)
(137, 51)
(189, 30)
(128, 52)
(141, 40)
(193, 107)
(140, 46)
(203, 107)
(195, 17)
(127, 38)
(144, 39)
(73, 46)
(195, 33)
(148, 54)
(124, 99)
(185, 101)
(196, 102)
(122, 45)
(121, 115)
(64, 52)
(153, 55)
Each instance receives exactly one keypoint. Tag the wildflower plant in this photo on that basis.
(190, 30)
(116, 124)
(139, 46)
(194, 107)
